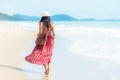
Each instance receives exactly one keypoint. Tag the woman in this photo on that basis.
(41, 55)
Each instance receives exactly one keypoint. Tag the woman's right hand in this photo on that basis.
(38, 34)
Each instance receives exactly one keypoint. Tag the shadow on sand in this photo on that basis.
(19, 69)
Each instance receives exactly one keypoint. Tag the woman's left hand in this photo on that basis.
(38, 34)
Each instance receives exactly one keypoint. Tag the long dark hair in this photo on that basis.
(46, 21)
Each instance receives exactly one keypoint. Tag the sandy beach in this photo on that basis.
(13, 40)
(80, 53)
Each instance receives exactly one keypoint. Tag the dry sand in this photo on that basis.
(13, 40)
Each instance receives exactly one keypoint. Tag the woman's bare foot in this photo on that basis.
(45, 77)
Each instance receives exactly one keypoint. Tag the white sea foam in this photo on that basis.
(103, 43)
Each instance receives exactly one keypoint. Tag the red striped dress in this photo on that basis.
(42, 54)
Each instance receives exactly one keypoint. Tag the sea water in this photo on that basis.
(99, 39)
(84, 50)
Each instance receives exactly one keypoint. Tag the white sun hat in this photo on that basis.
(45, 13)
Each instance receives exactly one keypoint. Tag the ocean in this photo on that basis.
(84, 50)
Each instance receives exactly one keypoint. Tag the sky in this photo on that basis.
(101, 9)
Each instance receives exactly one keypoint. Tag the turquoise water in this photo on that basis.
(96, 24)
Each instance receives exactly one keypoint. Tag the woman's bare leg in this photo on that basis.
(46, 68)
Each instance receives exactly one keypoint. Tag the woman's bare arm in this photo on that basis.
(53, 30)
(40, 28)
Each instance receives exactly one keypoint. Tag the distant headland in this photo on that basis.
(57, 17)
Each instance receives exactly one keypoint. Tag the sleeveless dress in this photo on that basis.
(42, 54)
